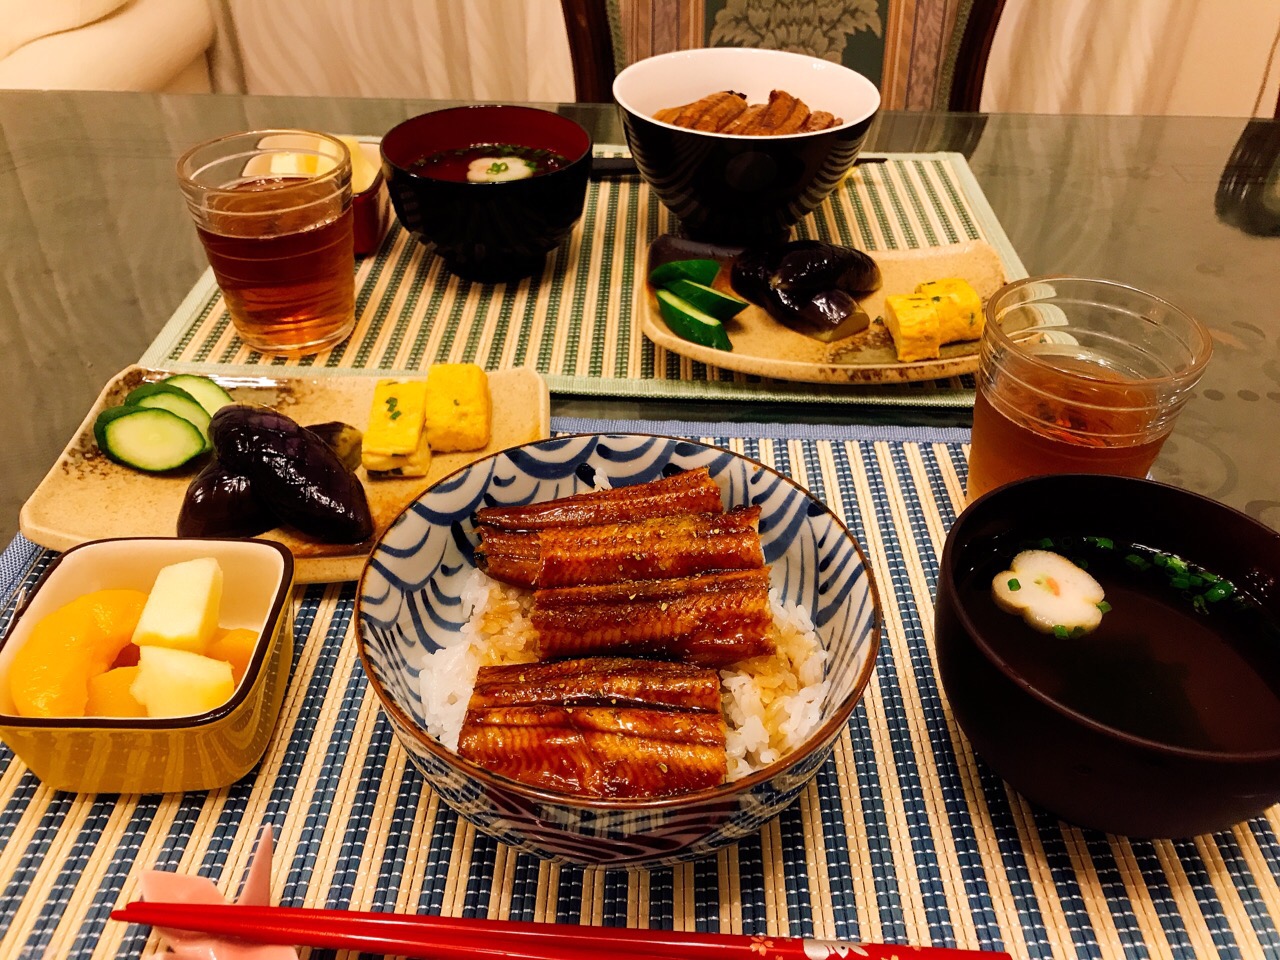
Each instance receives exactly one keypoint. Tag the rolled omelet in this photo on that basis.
(913, 323)
(457, 414)
(959, 308)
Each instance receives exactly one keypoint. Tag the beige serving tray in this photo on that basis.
(764, 347)
(88, 497)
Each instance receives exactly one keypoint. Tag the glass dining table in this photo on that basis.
(904, 836)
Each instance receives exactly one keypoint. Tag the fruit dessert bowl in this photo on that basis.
(149, 665)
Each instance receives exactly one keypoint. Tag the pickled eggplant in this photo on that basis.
(826, 315)
(219, 503)
(293, 472)
(669, 248)
(808, 285)
(345, 439)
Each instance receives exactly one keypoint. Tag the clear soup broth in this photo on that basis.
(1181, 657)
(457, 164)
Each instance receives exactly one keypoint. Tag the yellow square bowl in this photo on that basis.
(170, 754)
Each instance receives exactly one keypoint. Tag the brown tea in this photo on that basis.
(1077, 417)
(282, 250)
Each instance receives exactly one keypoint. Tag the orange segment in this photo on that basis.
(236, 647)
(50, 672)
(109, 695)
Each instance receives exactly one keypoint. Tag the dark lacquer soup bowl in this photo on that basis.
(497, 229)
(1164, 720)
(415, 597)
(733, 188)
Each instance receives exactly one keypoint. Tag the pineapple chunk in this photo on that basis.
(913, 322)
(177, 683)
(959, 308)
(182, 609)
(457, 411)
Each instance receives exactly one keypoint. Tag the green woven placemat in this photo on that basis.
(578, 322)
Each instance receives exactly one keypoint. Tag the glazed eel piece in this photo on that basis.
(692, 491)
(677, 546)
(605, 727)
(712, 619)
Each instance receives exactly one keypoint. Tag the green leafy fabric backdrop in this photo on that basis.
(843, 31)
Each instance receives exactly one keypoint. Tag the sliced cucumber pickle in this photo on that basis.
(699, 271)
(147, 438)
(709, 301)
(690, 323)
(206, 392)
(175, 400)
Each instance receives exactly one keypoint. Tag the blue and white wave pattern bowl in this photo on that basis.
(409, 604)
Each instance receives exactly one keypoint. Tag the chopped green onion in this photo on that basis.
(1046, 543)
(1220, 591)
(1104, 606)
(1179, 583)
(1137, 562)
(1195, 582)
(1060, 631)
(1082, 563)
(1014, 584)
(1198, 604)
(1177, 564)
(395, 415)
(498, 166)
(1077, 631)
(1102, 543)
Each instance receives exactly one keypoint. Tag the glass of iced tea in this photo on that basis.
(273, 210)
(1079, 376)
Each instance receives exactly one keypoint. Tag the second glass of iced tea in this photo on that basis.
(273, 210)
(1079, 376)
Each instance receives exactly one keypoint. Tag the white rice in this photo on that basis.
(771, 704)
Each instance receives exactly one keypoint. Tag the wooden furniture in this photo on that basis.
(595, 39)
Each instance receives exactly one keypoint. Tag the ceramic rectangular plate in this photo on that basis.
(88, 497)
(764, 347)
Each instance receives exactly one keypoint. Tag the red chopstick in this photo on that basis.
(446, 938)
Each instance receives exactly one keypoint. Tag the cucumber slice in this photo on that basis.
(206, 392)
(709, 301)
(699, 271)
(175, 400)
(147, 438)
(690, 323)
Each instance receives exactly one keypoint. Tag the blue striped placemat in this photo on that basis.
(904, 836)
(578, 323)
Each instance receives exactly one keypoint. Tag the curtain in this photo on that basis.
(446, 49)
(1143, 57)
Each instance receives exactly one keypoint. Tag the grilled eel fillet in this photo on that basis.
(605, 727)
(711, 620)
(651, 549)
(692, 491)
(729, 112)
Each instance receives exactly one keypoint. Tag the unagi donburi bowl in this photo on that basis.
(410, 602)
(742, 189)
